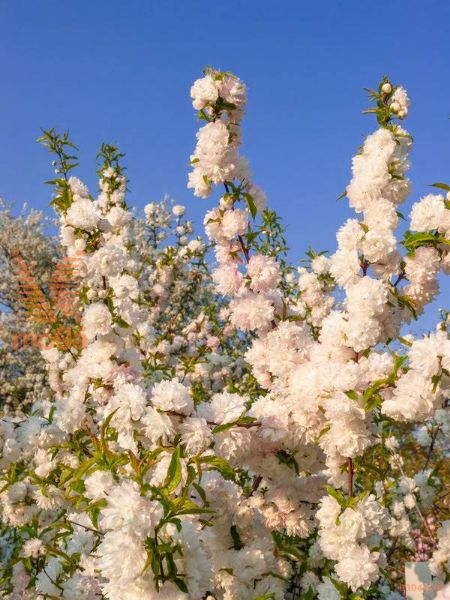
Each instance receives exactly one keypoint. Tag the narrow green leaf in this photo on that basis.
(219, 464)
(441, 186)
(251, 205)
(173, 477)
(337, 495)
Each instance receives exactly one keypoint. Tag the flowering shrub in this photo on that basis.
(236, 434)
(22, 374)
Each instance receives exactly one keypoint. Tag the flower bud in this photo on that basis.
(178, 210)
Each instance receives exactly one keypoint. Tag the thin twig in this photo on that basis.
(350, 477)
(85, 527)
(431, 448)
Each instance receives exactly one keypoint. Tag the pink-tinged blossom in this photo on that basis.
(252, 312)
(264, 273)
(228, 279)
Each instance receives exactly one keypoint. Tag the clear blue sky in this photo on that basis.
(120, 71)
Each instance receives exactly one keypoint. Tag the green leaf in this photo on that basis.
(375, 401)
(237, 542)
(198, 510)
(341, 587)
(219, 464)
(173, 477)
(94, 512)
(121, 322)
(201, 492)
(251, 204)
(441, 186)
(288, 460)
(240, 421)
(223, 427)
(372, 390)
(287, 548)
(87, 464)
(408, 303)
(310, 594)
(415, 240)
(180, 585)
(435, 380)
(106, 423)
(352, 502)
(78, 486)
(420, 237)
(323, 431)
(337, 495)
(184, 506)
(148, 562)
(399, 361)
(364, 227)
(246, 420)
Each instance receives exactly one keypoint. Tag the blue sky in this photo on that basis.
(117, 71)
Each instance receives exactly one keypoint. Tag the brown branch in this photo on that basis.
(392, 549)
(85, 527)
(174, 413)
(350, 477)
(431, 448)
(256, 483)
(400, 277)
(244, 248)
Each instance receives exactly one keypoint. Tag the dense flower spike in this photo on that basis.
(244, 433)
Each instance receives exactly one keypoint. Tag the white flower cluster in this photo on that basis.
(378, 186)
(216, 158)
(431, 214)
(346, 537)
(130, 502)
(423, 387)
(254, 290)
